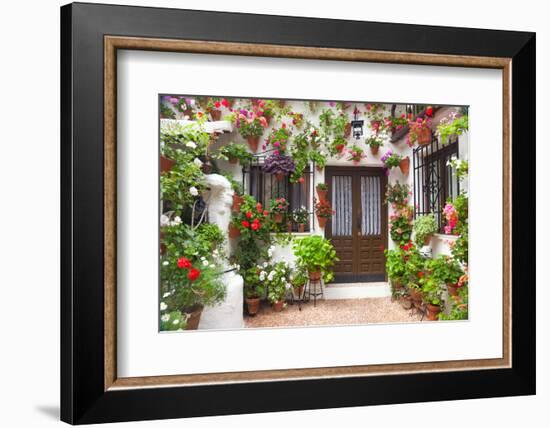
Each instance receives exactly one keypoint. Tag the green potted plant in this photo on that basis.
(276, 279)
(298, 279)
(234, 152)
(393, 160)
(300, 216)
(413, 271)
(319, 159)
(278, 138)
(324, 211)
(278, 208)
(424, 226)
(251, 125)
(420, 132)
(322, 190)
(452, 125)
(316, 255)
(447, 271)
(432, 295)
(401, 225)
(374, 142)
(213, 106)
(253, 289)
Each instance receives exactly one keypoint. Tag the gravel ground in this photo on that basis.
(333, 312)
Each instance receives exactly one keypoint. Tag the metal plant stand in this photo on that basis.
(313, 288)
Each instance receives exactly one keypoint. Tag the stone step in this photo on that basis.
(357, 290)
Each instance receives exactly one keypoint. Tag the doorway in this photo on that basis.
(359, 227)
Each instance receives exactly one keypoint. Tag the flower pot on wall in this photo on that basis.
(424, 136)
(215, 115)
(433, 311)
(427, 240)
(278, 306)
(233, 160)
(347, 130)
(234, 231)
(322, 194)
(278, 217)
(253, 143)
(166, 164)
(452, 289)
(322, 221)
(374, 150)
(301, 228)
(404, 165)
(253, 305)
(237, 202)
(193, 317)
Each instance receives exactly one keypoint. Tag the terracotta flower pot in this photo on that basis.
(322, 194)
(424, 136)
(452, 289)
(193, 317)
(289, 226)
(166, 164)
(404, 165)
(278, 306)
(280, 176)
(237, 202)
(215, 115)
(234, 231)
(433, 311)
(253, 305)
(278, 217)
(427, 240)
(298, 291)
(374, 149)
(347, 130)
(301, 228)
(314, 276)
(253, 143)
(322, 221)
(233, 160)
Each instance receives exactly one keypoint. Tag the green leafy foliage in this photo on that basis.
(316, 253)
(452, 126)
(424, 226)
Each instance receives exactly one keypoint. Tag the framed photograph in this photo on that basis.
(273, 213)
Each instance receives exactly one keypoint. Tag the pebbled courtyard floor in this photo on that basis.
(333, 312)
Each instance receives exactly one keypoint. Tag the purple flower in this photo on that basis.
(243, 111)
(174, 100)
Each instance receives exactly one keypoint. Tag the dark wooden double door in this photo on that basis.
(359, 227)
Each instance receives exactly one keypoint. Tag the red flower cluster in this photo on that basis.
(408, 246)
(185, 263)
(429, 111)
(225, 103)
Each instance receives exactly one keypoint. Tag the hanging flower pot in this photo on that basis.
(253, 143)
(253, 305)
(237, 202)
(193, 317)
(278, 306)
(404, 165)
(278, 217)
(166, 164)
(452, 289)
(322, 194)
(233, 160)
(424, 136)
(301, 228)
(322, 222)
(347, 130)
(375, 125)
(340, 148)
(234, 231)
(215, 115)
(374, 149)
(319, 168)
(315, 275)
(433, 311)
(280, 176)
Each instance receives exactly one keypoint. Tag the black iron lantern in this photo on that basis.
(357, 125)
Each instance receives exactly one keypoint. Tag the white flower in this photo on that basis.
(287, 285)
(165, 318)
(163, 306)
(205, 263)
(177, 220)
(164, 220)
(193, 190)
(197, 162)
(191, 145)
(165, 295)
(270, 276)
(215, 252)
(265, 264)
(176, 321)
(203, 258)
(165, 263)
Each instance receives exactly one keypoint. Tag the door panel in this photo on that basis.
(358, 229)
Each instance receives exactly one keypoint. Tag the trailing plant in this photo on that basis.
(278, 163)
(236, 151)
(315, 253)
(459, 248)
(339, 123)
(424, 226)
(297, 119)
(391, 159)
(452, 125)
(398, 194)
(278, 206)
(460, 166)
(319, 158)
(337, 146)
(278, 138)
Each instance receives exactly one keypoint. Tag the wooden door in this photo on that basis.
(359, 226)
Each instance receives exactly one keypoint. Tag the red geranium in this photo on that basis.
(248, 214)
(245, 223)
(184, 263)
(266, 213)
(429, 111)
(217, 104)
(259, 207)
(255, 226)
(193, 274)
(225, 103)
(420, 274)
